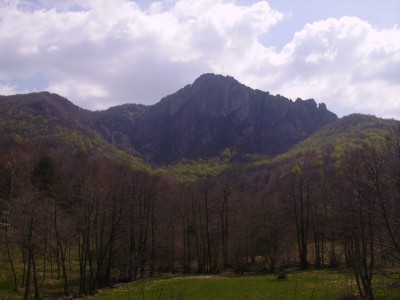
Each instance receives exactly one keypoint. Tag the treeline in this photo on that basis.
(91, 222)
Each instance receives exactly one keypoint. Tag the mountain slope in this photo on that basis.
(217, 112)
(201, 120)
(331, 144)
(323, 153)
(41, 116)
(50, 122)
(116, 124)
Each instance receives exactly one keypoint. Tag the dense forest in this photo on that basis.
(92, 221)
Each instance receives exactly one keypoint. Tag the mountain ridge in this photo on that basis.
(218, 112)
(200, 120)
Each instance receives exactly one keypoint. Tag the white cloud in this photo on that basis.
(7, 90)
(344, 62)
(130, 53)
(102, 52)
(79, 90)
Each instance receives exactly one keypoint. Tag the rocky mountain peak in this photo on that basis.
(217, 112)
(211, 79)
(201, 120)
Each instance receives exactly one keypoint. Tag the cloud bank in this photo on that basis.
(103, 53)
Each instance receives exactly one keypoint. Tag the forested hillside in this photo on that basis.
(200, 121)
(52, 123)
(217, 112)
(80, 209)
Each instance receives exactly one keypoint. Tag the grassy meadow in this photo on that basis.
(326, 284)
(313, 284)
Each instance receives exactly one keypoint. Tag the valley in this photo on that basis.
(214, 178)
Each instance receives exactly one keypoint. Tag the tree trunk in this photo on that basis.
(10, 260)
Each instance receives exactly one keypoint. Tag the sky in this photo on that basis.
(101, 53)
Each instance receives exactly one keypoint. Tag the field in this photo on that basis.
(299, 285)
(314, 284)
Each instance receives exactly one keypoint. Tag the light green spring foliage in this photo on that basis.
(188, 170)
(193, 170)
(24, 127)
(330, 145)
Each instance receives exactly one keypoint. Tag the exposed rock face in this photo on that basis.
(218, 112)
(200, 120)
(117, 123)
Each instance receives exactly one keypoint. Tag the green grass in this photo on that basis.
(6, 287)
(324, 284)
(51, 288)
(300, 285)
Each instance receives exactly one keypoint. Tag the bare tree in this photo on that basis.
(13, 174)
(227, 190)
(273, 230)
(301, 202)
(359, 220)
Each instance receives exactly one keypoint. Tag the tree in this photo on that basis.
(273, 230)
(388, 192)
(319, 212)
(227, 190)
(301, 202)
(13, 173)
(358, 206)
(45, 175)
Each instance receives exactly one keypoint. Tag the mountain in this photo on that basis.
(321, 155)
(322, 152)
(63, 166)
(116, 124)
(211, 126)
(330, 145)
(214, 113)
(41, 115)
(201, 120)
(52, 123)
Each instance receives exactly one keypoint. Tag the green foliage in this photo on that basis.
(44, 174)
(17, 138)
(227, 153)
(121, 156)
(59, 131)
(326, 148)
(330, 145)
(193, 170)
(297, 170)
(23, 123)
(67, 129)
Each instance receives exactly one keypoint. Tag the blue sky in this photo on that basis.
(382, 14)
(100, 53)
